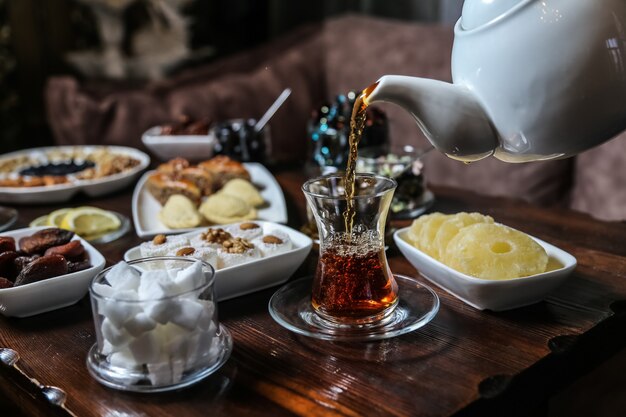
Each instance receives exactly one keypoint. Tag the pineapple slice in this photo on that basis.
(494, 251)
(429, 230)
(451, 227)
(413, 234)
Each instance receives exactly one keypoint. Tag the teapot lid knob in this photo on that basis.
(479, 12)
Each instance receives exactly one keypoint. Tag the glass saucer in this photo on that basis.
(136, 380)
(291, 307)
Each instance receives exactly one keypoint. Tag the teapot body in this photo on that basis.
(550, 75)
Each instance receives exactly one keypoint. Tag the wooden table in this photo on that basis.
(465, 362)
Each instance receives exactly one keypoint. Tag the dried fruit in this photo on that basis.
(7, 244)
(7, 265)
(70, 251)
(78, 266)
(494, 251)
(5, 283)
(44, 239)
(42, 268)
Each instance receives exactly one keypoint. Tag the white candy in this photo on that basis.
(118, 312)
(231, 259)
(151, 286)
(189, 313)
(114, 335)
(107, 348)
(145, 348)
(103, 290)
(162, 311)
(249, 234)
(139, 323)
(189, 278)
(269, 249)
(160, 373)
(177, 367)
(123, 359)
(123, 277)
(171, 243)
(206, 317)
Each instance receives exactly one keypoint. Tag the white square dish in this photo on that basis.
(256, 275)
(191, 147)
(52, 293)
(483, 294)
(146, 208)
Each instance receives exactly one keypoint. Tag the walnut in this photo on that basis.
(159, 239)
(237, 245)
(218, 235)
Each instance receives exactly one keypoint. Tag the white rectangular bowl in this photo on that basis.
(259, 274)
(52, 293)
(483, 294)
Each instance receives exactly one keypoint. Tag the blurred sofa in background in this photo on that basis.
(317, 63)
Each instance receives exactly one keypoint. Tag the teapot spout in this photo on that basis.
(449, 115)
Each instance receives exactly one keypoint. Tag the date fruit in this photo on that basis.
(7, 267)
(42, 268)
(7, 244)
(78, 266)
(40, 241)
(21, 261)
(71, 251)
(5, 283)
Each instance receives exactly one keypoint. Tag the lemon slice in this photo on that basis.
(39, 221)
(90, 221)
(56, 217)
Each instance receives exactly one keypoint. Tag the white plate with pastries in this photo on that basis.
(123, 165)
(147, 208)
(490, 294)
(269, 263)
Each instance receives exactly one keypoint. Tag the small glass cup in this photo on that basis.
(157, 344)
(353, 284)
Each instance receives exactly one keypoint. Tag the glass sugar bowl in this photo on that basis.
(156, 325)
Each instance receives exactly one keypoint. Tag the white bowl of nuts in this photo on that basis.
(247, 256)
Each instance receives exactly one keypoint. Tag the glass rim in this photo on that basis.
(393, 182)
(210, 280)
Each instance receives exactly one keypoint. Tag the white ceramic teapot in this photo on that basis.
(533, 80)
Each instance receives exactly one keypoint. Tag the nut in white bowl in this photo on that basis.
(191, 147)
(483, 294)
(52, 293)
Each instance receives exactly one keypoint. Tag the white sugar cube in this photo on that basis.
(206, 317)
(139, 323)
(189, 278)
(123, 277)
(189, 312)
(162, 311)
(123, 359)
(107, 348)
(160, 373)
(114, 335)
(145, 348)
(118, 312)
(150, 287)
(103, 290)
(177, 368)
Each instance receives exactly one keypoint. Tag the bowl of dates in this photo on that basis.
(186, 138)
(44, 268)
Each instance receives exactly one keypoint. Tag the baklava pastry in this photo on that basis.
(225, 169)
(162, 187)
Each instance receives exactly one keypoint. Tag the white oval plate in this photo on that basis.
(52, 293)
(63, 192)
(258, 274)
(483, 294)
(146, 208)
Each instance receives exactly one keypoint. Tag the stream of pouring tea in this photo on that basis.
(357, 124)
